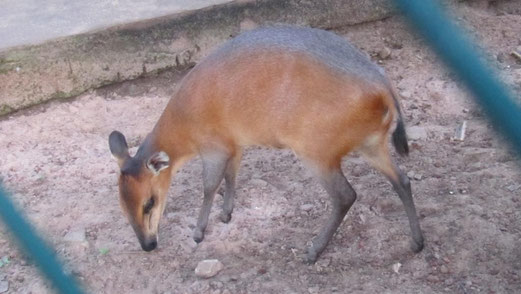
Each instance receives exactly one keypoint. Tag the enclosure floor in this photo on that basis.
(56, 162)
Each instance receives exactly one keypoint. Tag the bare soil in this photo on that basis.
(55, 161)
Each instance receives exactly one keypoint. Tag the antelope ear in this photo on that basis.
(118, 147)
(158, 161)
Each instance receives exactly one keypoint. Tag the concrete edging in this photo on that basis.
(71, 65)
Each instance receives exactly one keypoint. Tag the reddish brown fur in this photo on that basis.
(321, 114)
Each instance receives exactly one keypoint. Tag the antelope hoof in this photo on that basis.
(198, 236)
(417, 246)
(226, 217)
(311, 257)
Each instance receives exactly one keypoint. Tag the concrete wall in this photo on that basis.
(71, 65)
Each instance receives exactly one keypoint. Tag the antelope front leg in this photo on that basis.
(214, 166)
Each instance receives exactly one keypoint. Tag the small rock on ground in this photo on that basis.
(396, 267)
(4, 286)
(306, 207)
(416, 133)
(77, 235)
(415, 176)
(258, 182)
(208, 268)
(384, 53)
(433, 278)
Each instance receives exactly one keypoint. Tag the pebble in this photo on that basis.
(384, 53)
(405, 94)
(444, 269)
(233, 279)
(413, 175)
(396, 267)
(463, 191)
(313, 290)
(323, 262)
(461, 131)
(306, 207)
(77, 235)
(513, 188)
(432, 278)
(216, 285)
(4, 286)
(258, 182)
(416, 133)
(208, 268)
(362, 219)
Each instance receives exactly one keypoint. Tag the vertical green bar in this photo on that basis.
(460, 54)
(35, 247)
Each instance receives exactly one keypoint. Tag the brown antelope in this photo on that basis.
(285, 87)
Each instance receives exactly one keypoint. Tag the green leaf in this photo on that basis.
(4, 261)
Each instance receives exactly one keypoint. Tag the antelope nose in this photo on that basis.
(149, 246)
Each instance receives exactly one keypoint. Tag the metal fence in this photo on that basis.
(36, 248)
(447, 40)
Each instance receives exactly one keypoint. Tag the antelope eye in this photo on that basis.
(148, 205)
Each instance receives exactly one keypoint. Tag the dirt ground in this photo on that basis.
(55, 161)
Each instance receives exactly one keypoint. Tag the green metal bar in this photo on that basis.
(459, 53)
(35, 246)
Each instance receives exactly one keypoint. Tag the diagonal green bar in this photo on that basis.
(35, 246)
(460, 54)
